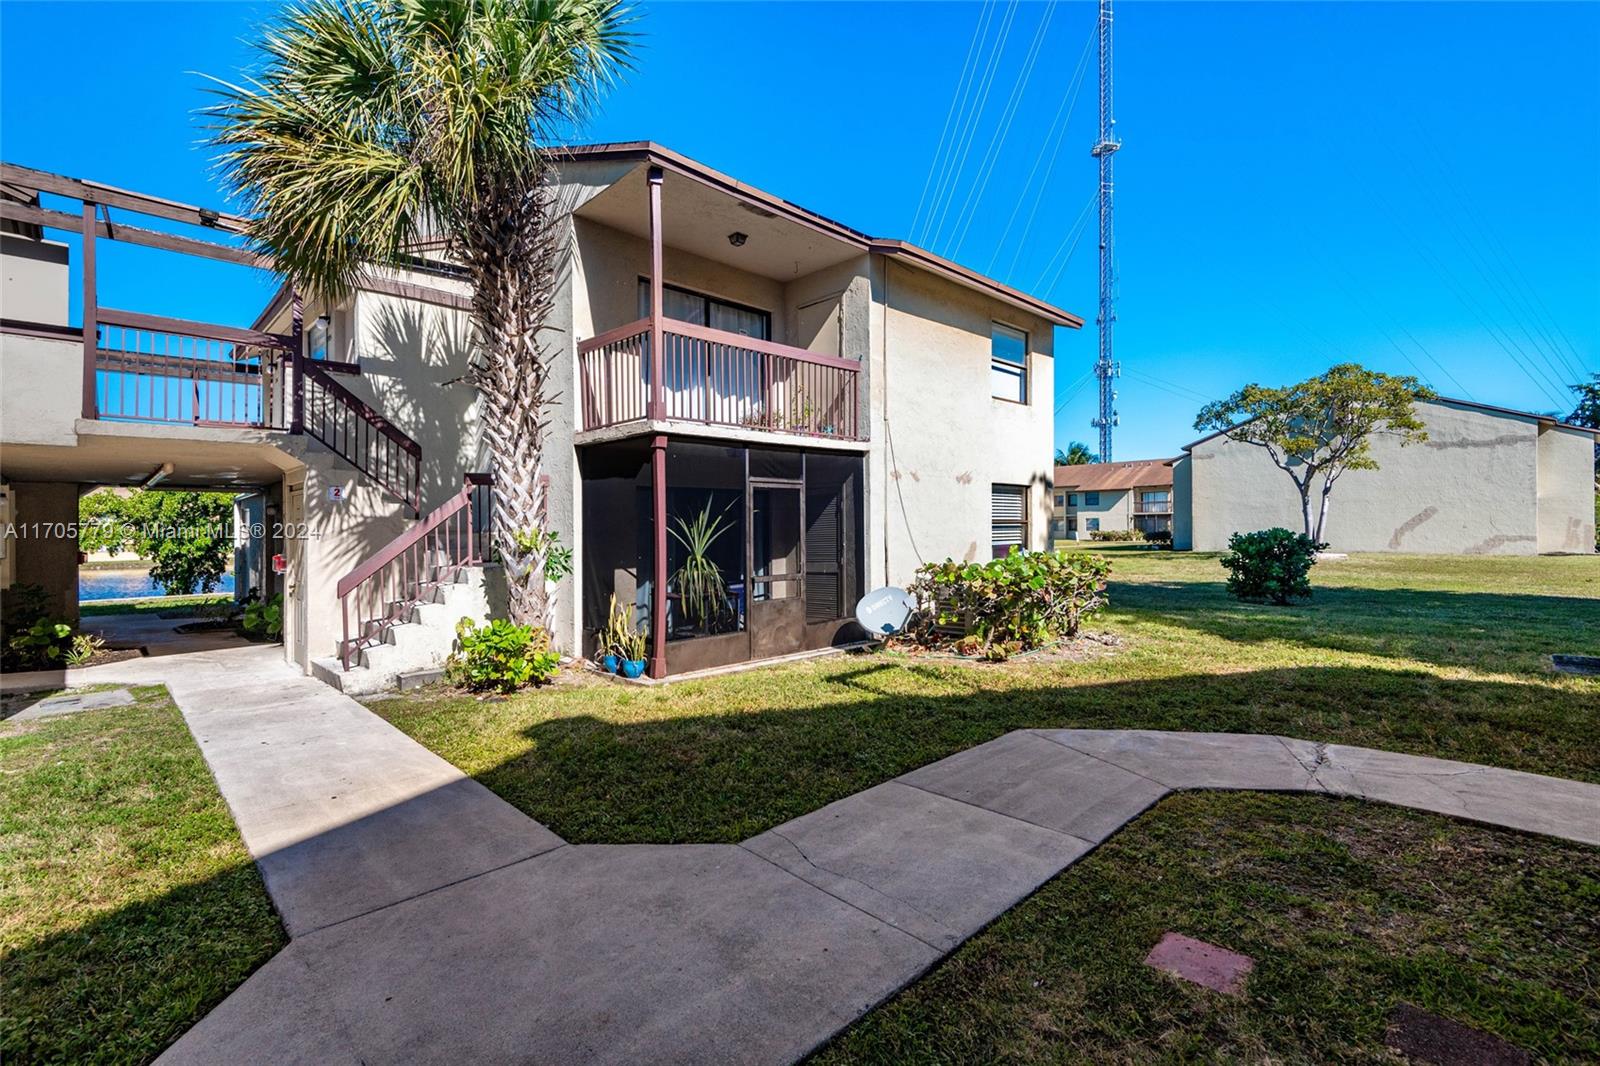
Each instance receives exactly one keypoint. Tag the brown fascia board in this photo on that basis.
(667, 159)
(1543, 420)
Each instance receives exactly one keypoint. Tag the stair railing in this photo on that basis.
(381, 592)
(359, 435)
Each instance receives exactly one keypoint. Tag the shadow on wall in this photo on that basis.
(416, 378)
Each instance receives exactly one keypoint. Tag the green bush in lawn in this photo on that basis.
(1159, 536)
(1023, 600)
(263, 620)
(501, 656)
(1270, 565)
(1115, 534)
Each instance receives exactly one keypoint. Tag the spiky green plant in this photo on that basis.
(373, 127)
(701, 588)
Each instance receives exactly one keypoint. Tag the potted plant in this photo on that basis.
(619, 625)
(702, 591)
(633, 655)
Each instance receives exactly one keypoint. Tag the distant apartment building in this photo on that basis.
(1095, 497)
(1487, 481)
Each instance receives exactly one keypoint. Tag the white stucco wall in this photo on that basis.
(1471, 488)
(33, 280)
(1566, 490)
(940, 439)
(41, 389)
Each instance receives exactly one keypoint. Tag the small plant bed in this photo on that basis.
(128, 904)
(1351, 912)
(1082, 648)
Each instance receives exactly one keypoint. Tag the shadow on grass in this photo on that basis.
(722, 765)
(1483, 630)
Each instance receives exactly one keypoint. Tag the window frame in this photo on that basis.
(707, 300)
(1091, 499)
(1009, 367)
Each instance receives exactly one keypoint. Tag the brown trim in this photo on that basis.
(658, 586)
(657, 155)
(162, 324)
(91, 315)
(142, 203)
(410, 290)
(149, 238)
(45, 330)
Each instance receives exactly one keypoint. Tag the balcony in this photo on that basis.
(715, 378)
(1152, 506)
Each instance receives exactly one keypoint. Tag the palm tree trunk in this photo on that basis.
(508, 246)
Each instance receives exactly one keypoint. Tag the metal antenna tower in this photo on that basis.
(1105, 368)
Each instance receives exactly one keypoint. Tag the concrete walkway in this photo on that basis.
(432, 922)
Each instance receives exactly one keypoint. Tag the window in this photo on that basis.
(1072, 525)
(1091, 499)
(1061, 500)
(1008, 518)
(686, 305)
(1008, 363)
(1072, 499)
(1154, 502)
(1091, 524)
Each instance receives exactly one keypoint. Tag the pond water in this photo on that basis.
(121, 584)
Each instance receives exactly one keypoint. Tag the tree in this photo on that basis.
(1321, 427)
(372, 125)
(187, 536)
(1077, 454)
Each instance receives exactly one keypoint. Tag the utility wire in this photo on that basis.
(1069, 104)
(1002, 130)
(1058, 262)
(951, 179)
(968, 67)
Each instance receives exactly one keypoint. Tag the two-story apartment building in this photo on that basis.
(1132, 495)
(742, 383)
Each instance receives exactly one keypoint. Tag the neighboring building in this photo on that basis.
(1486, 481)
(820, 391)
(1091, 497)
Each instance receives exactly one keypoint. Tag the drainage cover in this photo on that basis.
(1586, 665)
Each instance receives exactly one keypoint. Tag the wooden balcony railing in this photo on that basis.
(716, 378)
(151, 369)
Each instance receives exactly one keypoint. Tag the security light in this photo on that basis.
(737, 239)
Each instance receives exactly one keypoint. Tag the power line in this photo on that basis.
(970, 128)
(1069, 104)
(962, 83)
(1057, 262)
(1003, 129)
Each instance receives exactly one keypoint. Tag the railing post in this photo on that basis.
(658, 591)
(297, 357)
(91, 313)
(657, 357)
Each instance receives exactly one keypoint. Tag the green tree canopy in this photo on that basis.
(372, 125)
(1076, 454)
(187, 536)
(1321, 427)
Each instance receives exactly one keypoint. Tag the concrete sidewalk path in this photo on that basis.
(751, 953)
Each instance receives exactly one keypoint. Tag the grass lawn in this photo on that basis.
(128, 904)
(1433, 655)
(1348, 910)
(174, 605)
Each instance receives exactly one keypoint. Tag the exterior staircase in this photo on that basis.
(422, 637)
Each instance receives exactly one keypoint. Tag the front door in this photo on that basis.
(777, 613)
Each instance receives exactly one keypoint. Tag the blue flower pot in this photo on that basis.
(609, 663)
(633, 668)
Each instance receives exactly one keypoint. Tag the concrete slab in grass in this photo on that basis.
(72, 703)
(594, 954)
(1532, 802)
(934, 867)
(1200, 760)
(1027, 776)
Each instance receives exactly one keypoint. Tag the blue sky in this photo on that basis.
(1416, 187)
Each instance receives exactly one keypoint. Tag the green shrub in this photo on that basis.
(1159, 536)
(1115, 534)
(33, 640)
(501, 656)
(1021, 601)
(1270, 565)
(264, 621)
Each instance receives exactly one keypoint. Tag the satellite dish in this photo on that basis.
(885, 611)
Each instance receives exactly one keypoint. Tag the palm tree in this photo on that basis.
(1077, 454)
(373, 125)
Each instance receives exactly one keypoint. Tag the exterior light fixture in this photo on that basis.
(737, 239)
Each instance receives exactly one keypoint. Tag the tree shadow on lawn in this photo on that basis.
(727, 775)
(1487, 631)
